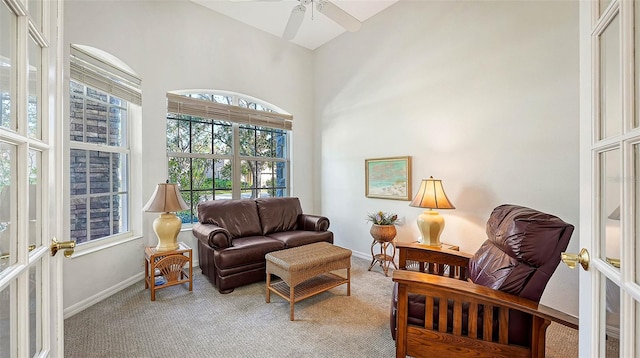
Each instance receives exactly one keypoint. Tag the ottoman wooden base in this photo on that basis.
(306, 271)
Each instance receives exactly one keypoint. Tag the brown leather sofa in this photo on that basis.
(520, 255)
(234, 236)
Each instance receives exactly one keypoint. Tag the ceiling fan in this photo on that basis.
(326, 7)
(329, 9)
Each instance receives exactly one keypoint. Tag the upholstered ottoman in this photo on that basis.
(306, 271)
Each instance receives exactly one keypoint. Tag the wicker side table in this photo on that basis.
(385, 258)
(169, 264)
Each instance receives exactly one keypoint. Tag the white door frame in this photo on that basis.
(593, 288)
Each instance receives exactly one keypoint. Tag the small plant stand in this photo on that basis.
(386, 257)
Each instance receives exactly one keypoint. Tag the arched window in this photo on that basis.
(223, 145)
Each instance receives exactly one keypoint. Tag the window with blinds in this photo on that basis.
(100, 94)
(226, 146)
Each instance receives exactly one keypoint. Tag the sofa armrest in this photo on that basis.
(313, 222)
(215, 236)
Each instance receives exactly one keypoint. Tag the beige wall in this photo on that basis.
(481, 94)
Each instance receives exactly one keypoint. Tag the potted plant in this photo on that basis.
(383, 228)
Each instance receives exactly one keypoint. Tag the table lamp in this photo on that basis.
(431, 195)
(167, 225)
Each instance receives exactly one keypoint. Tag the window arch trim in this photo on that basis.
(179, 104)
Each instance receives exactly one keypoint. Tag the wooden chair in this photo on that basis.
(482, 305)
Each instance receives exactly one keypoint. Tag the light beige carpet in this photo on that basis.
(205, 323)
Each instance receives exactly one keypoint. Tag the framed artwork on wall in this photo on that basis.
(388, 178)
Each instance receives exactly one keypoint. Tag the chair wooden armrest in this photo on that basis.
(433, 260)
(443, 333)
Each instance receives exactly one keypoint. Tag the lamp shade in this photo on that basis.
(431, 195)
(166, 199)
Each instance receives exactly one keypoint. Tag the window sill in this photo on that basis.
(103, 244)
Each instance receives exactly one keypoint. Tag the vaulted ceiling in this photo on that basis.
(272, 15)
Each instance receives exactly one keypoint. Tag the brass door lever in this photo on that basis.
(67, 246)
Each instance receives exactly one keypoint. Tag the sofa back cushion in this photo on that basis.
(238, 216)
(278, 214)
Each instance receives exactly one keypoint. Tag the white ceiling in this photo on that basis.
(272, 15)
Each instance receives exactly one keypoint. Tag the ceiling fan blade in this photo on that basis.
(295, 20)
(339, 16)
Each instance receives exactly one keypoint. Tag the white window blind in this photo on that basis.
(206, 109)
(97, 73)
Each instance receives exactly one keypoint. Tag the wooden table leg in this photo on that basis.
(268, 292)
(146, 274)
(152, 280)
(190, 270)
(348, 281)
(291, 302)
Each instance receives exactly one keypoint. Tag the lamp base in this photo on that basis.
(430, 224)
(167, 226)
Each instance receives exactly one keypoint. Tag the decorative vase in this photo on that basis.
(383, 232)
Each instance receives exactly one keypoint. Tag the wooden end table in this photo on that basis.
(415, 255)
(169, 264)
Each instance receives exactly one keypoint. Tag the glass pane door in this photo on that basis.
(610, 220)
(25, 307)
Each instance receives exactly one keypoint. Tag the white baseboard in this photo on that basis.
(90, 301)
(361, 255)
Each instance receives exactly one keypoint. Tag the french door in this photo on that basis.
(30, 291)
(610, 177)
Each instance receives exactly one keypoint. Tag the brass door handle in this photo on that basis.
(67, 246)
(6, 256)
(572, 260)
(613, 262)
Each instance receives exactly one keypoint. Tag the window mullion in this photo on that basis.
(87, 196)
(235, 163)
(110, 190)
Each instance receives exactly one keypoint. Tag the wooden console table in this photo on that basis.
(170, 265)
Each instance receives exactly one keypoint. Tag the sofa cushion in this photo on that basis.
(295, 238)
(239, 217)
(246, 251)
(278, 214)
